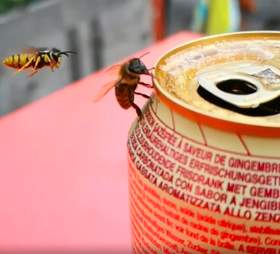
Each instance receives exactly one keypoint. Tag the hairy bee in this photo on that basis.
(35, 59)
(129, 78)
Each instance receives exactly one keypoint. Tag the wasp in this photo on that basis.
(36, 58)
(128, 79)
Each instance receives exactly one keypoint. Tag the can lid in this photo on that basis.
(228, 81)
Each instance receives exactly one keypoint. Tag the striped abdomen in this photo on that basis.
(125, 94)
(18, 60)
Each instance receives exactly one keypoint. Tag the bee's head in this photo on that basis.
(137, 66)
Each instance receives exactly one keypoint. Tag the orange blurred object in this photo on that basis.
(248, 5)
(159, 19)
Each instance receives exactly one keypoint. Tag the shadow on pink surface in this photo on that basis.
(67, 251)
(63, 175)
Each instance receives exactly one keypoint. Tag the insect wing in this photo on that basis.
(104, 90)
(113, 69)
(31, 50)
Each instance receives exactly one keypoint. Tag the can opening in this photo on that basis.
(237, 86)
(243, 88)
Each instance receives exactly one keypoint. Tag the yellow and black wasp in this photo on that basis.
(36, 59)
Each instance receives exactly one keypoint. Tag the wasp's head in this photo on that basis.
(55, 53)
(135, 65)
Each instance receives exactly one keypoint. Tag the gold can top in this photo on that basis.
(230, 77)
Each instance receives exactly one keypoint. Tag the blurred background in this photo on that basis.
(104, 31)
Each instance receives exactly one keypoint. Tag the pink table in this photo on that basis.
(63, 169)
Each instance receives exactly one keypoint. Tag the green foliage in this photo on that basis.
(7, 5)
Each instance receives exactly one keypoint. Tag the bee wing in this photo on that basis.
(104, 90)
(113, 69)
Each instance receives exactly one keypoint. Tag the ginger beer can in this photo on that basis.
(204, 162)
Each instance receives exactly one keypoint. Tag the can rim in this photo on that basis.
(191, 112)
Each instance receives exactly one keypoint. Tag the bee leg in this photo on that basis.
(145, 84)
(142, 94)
(149, 73)
(138, 110)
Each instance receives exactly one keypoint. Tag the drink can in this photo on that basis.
(204, 162)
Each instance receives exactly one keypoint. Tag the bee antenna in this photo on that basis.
(146, 53)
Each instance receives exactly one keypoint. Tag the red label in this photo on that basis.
(187, 197)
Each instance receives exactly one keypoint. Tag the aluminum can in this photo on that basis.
(204, 162)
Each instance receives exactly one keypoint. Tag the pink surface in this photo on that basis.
(63, 169)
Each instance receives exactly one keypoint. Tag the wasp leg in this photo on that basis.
(142, 94)
(54, 66)
(26, 65)
(33, 72)
(48, 59)
(145, 84)
(37, 62)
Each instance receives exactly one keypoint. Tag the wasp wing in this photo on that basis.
(105, 89)
(31, 50)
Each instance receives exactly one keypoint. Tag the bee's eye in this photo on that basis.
(137, 66)
(134, 65)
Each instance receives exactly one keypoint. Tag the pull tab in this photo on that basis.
(244, 87)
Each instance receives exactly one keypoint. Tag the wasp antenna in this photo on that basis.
(70, 52)
(67, 52)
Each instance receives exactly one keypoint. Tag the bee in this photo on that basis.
(129, 78)
(35, 59)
